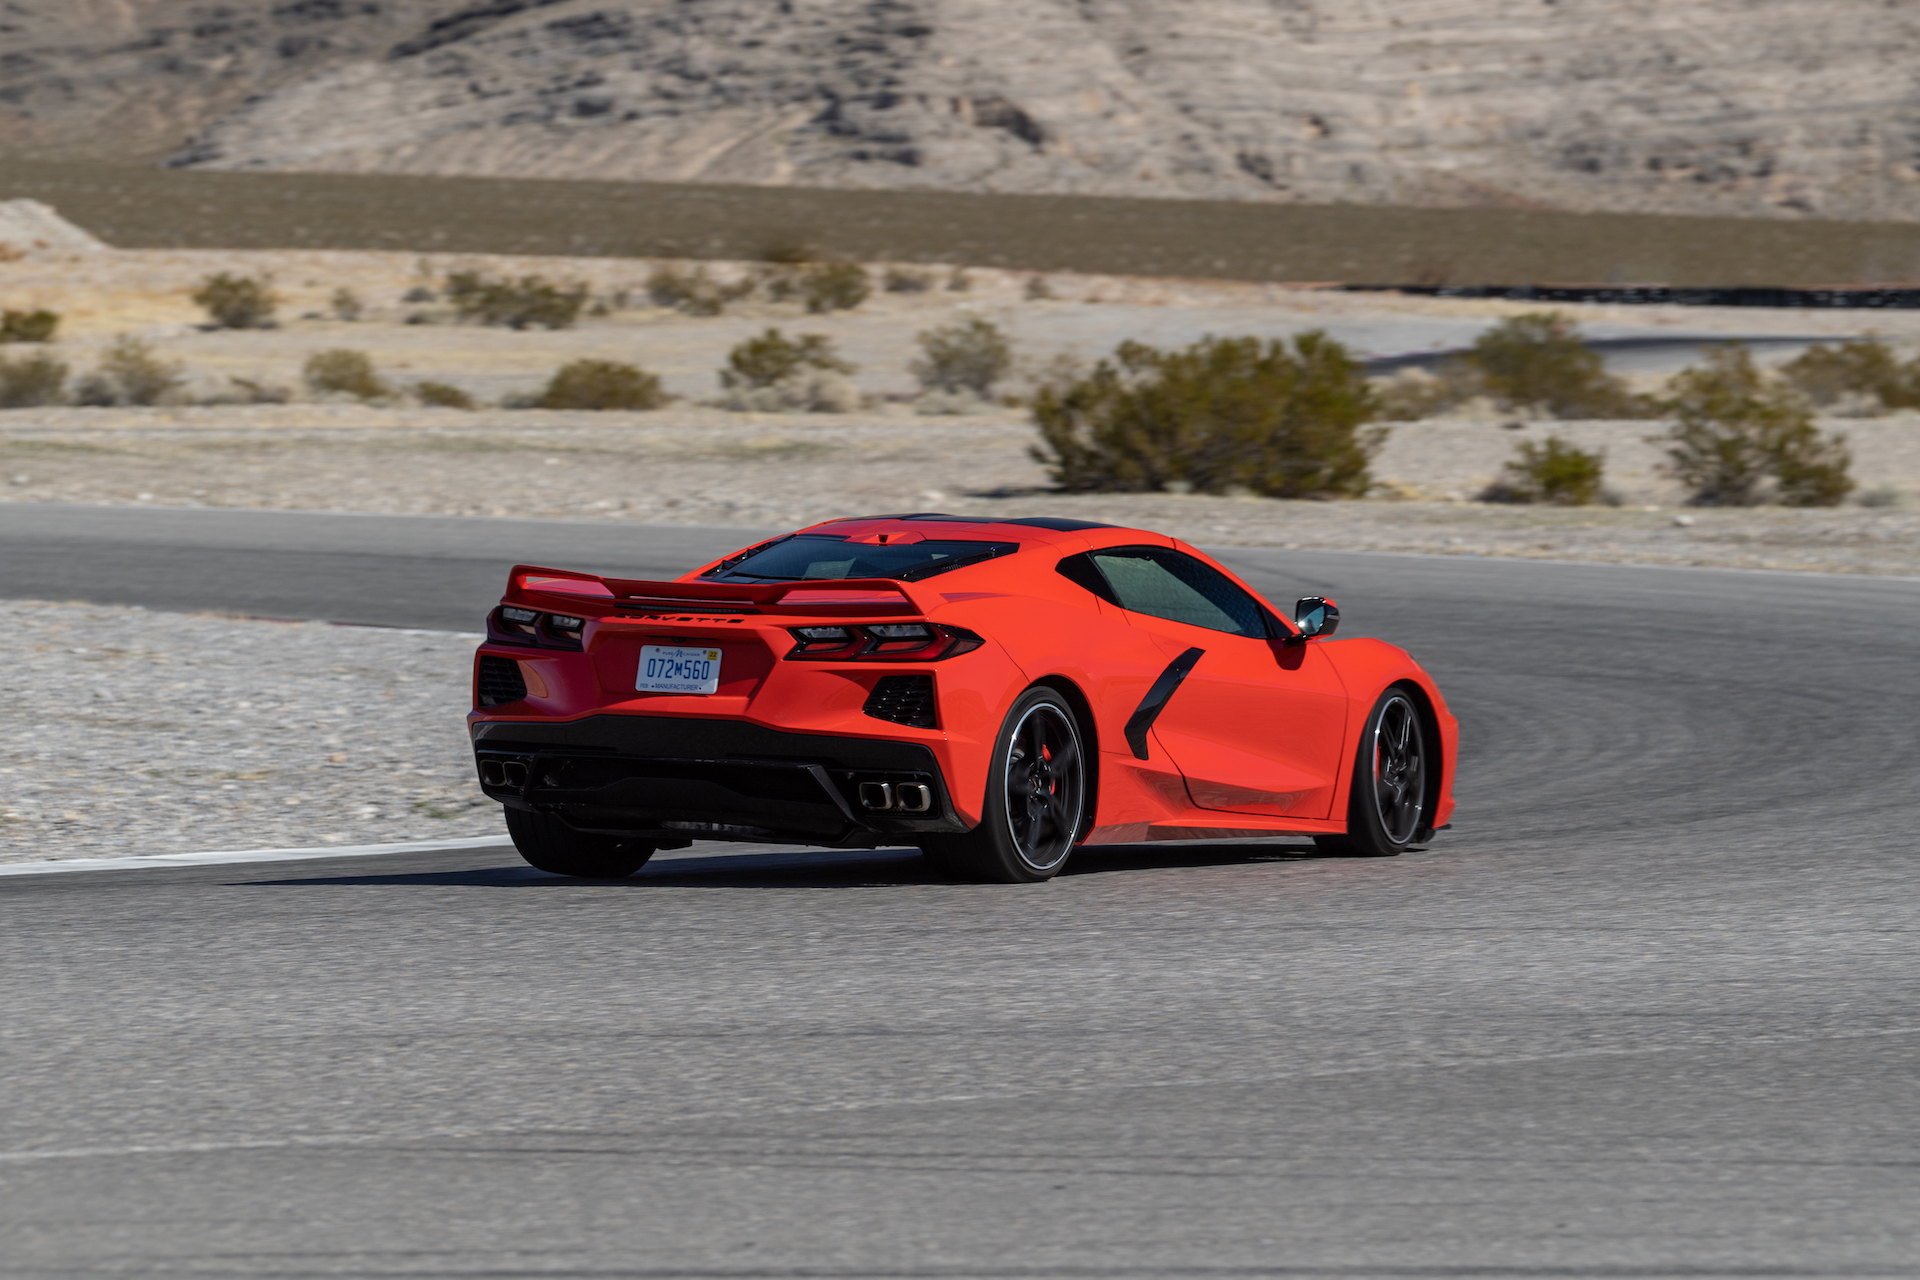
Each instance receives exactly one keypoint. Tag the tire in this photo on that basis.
(550, 845)
(1034, 813)
(1392, 782)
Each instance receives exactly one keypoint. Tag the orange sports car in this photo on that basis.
(994, 692)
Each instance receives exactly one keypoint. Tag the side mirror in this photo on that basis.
(1316, 616)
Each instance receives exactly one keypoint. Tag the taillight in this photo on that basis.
(510, 624)
(882, 642)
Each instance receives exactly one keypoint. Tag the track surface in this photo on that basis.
(1649, 1010)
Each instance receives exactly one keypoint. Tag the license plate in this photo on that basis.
(669, 668)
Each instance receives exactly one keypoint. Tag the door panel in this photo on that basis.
(1255, 726)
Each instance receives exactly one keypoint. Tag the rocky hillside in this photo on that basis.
(1773, 107)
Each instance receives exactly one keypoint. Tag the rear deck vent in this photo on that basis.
(903, 700)
(499, 681)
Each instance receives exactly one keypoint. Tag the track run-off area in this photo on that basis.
(1648, 1010)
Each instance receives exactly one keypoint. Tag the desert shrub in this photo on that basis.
(347, 305)
(696, 292)
(1740, 438)
(531, 302)
(1537, 363)
(772, 357)
(419, 294)
(1038, 289)
(130, 373)
(1862, 371)
(1224, 414)
(966, 358)
(907, 280)
(959, 280)
(1553, 471)
(772, 372)
(443, 395)
(29, 326)
(341, 372)
(237, 302)
(833, 286)
(31, 381)
(601, 384)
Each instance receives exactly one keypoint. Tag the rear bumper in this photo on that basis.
(686, 778)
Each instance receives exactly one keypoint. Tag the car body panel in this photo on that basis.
(1256, 739)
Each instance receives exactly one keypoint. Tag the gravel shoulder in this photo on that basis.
(138, 732)
(699, 466)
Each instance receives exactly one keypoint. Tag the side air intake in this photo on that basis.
(498, 681)
(903, 700)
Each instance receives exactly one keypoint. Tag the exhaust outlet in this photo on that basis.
(504, 774)
(913, 797)
(877, 796)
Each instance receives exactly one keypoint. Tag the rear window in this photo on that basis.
(809, 556)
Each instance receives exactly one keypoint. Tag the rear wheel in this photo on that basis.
(1387, 807)
(550, 845)
(1036, 798)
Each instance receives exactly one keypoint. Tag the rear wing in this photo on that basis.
(592, 595)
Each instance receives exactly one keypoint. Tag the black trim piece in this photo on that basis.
(1082, 572)
(1058, 524)
(1157, 698)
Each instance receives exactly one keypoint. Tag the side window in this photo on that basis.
(1166, 584)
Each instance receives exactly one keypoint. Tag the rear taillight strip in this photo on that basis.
(881, 642)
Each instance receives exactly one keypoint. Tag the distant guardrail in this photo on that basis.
(1839, 298)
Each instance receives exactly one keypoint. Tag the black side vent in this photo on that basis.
(499, 681)
(903, 700)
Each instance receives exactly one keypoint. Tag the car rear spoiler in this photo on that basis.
(591, 594)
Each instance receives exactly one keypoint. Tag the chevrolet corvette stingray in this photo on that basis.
(996, 693)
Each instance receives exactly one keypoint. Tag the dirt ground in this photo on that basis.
(696, 464)
(710, 467)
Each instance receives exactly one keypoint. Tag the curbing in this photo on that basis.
(162, 860)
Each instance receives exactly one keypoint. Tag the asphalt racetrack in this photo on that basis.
(1649, 1010)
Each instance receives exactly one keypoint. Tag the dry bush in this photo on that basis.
(772, 372)
(601, 384)
(28, 326)
(696, 292)
(443, 395)
(1038, 289)
(347, 305)
(969, 358)
(1537, 363)
(248, 391)
(531, 302)
(1413, 394)
(237, 302)
(833, 286)
(1864, 373)
(1740, 439)
(1553, 472)
(907, 280)
(32, 381)
(341, 372)
(130, 374)
(1226, 414)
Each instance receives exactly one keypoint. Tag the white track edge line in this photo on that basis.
(159, 860)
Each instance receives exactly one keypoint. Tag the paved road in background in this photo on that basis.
(1648, 1011)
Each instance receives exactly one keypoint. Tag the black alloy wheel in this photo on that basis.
(1036, 798)
(1387, 807)
(549, 844)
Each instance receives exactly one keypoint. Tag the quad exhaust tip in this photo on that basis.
(896, 797)
(505, 774)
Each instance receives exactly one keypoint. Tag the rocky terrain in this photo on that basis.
(1788, 108)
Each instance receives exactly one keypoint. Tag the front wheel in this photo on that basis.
(1036, 798)
(550, 845)
(1387, 804)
